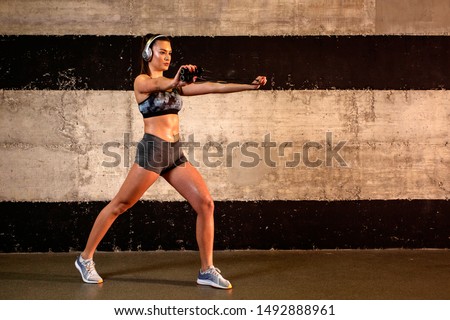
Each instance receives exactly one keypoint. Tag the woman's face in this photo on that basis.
(162, 54)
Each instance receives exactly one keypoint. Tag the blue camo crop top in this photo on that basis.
(160, 103)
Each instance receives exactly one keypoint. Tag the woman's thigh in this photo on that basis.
(190, 184)
(136, 183)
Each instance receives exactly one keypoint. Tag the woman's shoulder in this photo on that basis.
(141, 82)
(142, 77)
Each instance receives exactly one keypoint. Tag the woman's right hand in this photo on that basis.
(191, 68)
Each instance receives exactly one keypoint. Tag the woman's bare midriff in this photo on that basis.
(165, 127)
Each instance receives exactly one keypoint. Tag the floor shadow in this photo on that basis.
(8, 276)
(183, 283)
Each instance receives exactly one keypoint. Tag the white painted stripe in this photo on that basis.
(396, 144)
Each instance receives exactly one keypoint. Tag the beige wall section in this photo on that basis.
(225, 18)
(415, 17)
(190, 17)
(396, 144)
(49, 141)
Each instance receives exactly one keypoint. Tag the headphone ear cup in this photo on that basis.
(147, 53)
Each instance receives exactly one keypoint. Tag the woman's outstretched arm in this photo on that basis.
(217, 87)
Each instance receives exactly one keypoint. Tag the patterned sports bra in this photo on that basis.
(160, 103)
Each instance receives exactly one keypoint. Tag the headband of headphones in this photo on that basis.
(147, 52)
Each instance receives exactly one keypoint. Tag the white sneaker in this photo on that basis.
(213, 278)
(87, 270)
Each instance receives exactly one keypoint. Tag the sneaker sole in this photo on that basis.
(212, 284)
(85, 280)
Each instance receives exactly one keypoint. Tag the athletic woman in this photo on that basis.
(159, 154)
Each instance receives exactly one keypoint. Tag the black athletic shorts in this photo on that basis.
(158, 155)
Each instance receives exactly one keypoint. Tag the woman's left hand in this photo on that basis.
(259, 81)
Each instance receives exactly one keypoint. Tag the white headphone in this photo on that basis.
(147, 52)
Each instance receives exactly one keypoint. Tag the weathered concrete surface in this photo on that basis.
(396, 143)
(415, 17)
(69, 145)
(191, 17)
(204, 17)
(48, 137)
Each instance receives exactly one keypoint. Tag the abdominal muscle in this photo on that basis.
(165, 127)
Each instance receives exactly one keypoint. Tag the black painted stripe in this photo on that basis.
(42, 227)
(294, 62)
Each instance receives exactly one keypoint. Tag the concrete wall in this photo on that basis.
(71, 145)
(396, 144)
(394, 139)
(213, 18)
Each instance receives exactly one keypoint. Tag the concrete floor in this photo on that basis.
(285, 275)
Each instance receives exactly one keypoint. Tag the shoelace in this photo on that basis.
(89, 266)
(215, 271)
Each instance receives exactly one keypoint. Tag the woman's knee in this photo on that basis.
(205, 205)
(119, 207)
